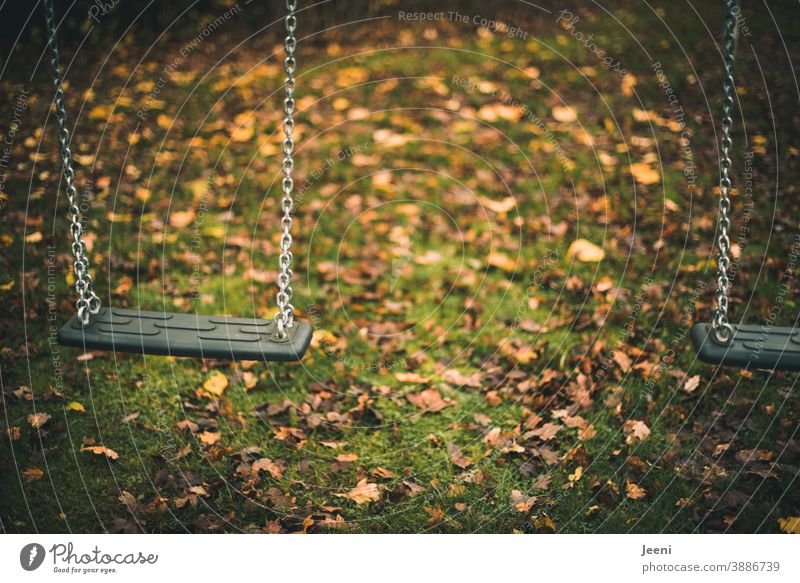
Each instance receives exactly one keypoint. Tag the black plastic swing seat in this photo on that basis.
(170, 334)
(755, 347)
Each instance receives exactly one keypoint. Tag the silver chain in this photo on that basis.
(723, 331)
(88, 302)
(284, 318)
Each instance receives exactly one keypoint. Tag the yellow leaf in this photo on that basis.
(209, 437)
(790, 525)
(501, 261)
(216, 383)
(574, 477)
(164, 121)
(585, 251)
(242, 134)
(100, 112)
(634, 492)
(564, 114)
(35, 237)
(644, 173)
(75, 406)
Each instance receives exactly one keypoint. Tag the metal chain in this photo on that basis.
(723, 331)
(88, 302)
(284, 318)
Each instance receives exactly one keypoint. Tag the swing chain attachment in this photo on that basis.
(88, 302)
(723, 331)
(284, 318)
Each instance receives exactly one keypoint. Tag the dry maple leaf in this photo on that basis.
(216, 383)
(101, 450)
(634, 492)
(635, 430)
(430, 400)
(363, 492)
(585, 251)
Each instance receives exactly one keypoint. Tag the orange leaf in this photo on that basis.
(101, 450)
(363, 492)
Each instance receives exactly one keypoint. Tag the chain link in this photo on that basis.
(723, 331)
(87, 302)
(284, 318)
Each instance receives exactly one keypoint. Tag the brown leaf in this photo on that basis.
(33, 474)
(429, 400)
(691, 384)
(346, 457)
(216, 383)
(411, 377)
(623, 360)
(790, 525)
(634, 492)
(381, 472)
(458, 458)
(38, 420)
(265, 464)
(635, 430)
(363, 492)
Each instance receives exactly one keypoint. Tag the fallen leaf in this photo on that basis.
(585, 251)
(101, 450)
(634, 492)
(38, 420)
(429, 400)
(501, 261)
(644, 173)
(410, 377)
(216, 383)
(75, 406)
(635, 430)
(790, 525)
(209, 437)
(33, 474)
(564, 114)
(346, 457)
(521, 502)
(363, 492)
(267, 465)
(691, 384)
(547, 431)
(458, 458)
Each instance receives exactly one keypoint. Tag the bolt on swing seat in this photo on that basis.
(721, 343)
(175, 334)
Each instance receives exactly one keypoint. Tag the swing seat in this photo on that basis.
(171, 334)
(758, 347)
